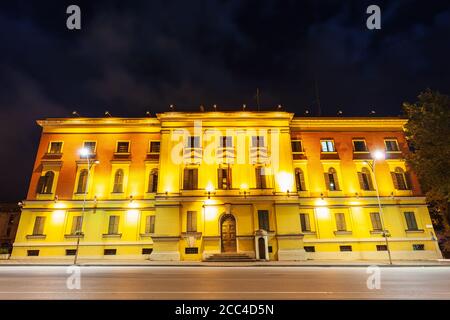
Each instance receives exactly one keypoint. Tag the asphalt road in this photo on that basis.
(39, 282)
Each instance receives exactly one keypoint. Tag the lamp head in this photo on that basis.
(379, 155)
(84, 152)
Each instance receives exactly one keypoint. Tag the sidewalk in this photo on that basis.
(148, 263)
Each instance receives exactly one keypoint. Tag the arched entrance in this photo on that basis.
(228, 233)
(262, 248)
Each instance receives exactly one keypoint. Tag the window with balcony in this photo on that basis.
(55, 147)
(193, 142)
(191, 221)
(118, 181)
(327, 146)
(263, 219)
(391, 145)
(261, 178)
(82, 181)
(258, 141)
(331, 180)
(300, 180)
(123, 147)
(45, 183)
(365, 179)
(224, 178)
(91, 146)
(190, 179)
(359, 145)
(226, 142)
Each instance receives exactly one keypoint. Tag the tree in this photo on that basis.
(428, 133)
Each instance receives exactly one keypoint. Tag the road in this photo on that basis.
(40, 282)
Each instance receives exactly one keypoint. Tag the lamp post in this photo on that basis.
(84, 152)
(379, 155)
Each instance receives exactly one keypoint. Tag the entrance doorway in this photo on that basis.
(262, 248)
(228, 233)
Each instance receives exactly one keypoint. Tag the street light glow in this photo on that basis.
(378, 155)
(84, 152)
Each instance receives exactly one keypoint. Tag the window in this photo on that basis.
(155, 146)
(123, 147)
(77, 223)
(381, 247)
(55, 147)
(419, 247)
(150, 224)
(310, 248)
(190, 179)
(191, 221)
(153, 181)
(193, 250)
(345, 248)
(257, 141)
(45, 183)
(401, 179)
(331, 180)
(109, 252)
(118, 181)
(147, 250)
(304, 222)
(113, 227)
(71, 252)
(327, 145)
(32, 253)
(226, 142)
(224, 178)
(263, 219)
(340, 222)
(82, 181)
(260, 178)
(376, 221)
(193, 142)
(359, 146)
(391, 145)
(365, 179)
(411, 222)
(297, 146)
(38, 228)
(270, 249)
(300, 180)
(91, 146)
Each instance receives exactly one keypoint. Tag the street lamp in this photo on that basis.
(377, 156)
(84, 153)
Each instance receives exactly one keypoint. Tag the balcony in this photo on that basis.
(192, 155)
(259, 155)
(225, 155)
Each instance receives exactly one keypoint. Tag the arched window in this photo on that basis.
(153, 181)
(300, 179)
(400, 179)
(45, 183)
(365, 179)
(331, 180)
(82, 181)
(118, 181)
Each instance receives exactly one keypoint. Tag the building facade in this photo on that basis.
(9, 221)
(191, 186)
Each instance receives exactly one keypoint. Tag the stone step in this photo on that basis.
(229, 257)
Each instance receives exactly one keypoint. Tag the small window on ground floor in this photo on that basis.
(193, 250)
(71, 252)
(381, 247)
(418, 247)
(32, 253)
(147, 250)
(345, 248)
(270, 249)
(310, 248)
(110, 252)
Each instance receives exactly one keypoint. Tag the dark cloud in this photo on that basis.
(131, 57)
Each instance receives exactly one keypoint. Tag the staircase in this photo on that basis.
(229, 257)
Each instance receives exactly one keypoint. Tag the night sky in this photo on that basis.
(133, 56)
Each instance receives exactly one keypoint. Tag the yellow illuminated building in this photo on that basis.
(224, 185)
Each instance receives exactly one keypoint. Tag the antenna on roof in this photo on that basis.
(257, 98)
(74, 113)
(107, 114)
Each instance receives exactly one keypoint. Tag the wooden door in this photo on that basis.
(262, 248)
(228, 233)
